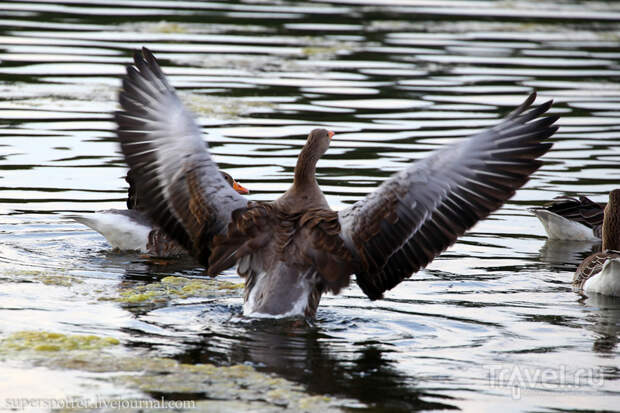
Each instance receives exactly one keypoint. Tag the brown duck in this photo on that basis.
(600, 272)
(295, 248)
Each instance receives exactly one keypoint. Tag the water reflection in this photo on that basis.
(324, 364)
(603, 314)
(563, 255)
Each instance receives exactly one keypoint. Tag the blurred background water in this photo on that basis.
(492, 322)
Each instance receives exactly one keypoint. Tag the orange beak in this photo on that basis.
(240, 189)
(330, 134)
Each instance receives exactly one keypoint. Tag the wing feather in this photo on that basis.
(181, 187)
(420, 211)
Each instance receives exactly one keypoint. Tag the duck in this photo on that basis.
(600, 272)
(132, 230)
(572, 219)
(292, 250)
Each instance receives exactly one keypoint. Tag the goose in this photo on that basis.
(568, 218)
(600, 272)
(293, 249)
(132, 230)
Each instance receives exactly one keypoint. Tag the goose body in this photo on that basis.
(132, 230)
(574, 219)
(606, 278)
(295, 248)
(125, 230)
(600, 272)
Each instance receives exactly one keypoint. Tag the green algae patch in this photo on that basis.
(171, 287)
(164, 26)
(24, 273)
(323, 52)
(137, 297)
(60, 280)
(213, 388)
(47, 341)
(225, 107)
(167, 27)
(238, 382)
(293, 57)
(313, 402)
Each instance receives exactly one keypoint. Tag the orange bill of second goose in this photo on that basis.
(295, 248)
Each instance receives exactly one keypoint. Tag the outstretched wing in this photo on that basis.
(420, 211)
(181, 187)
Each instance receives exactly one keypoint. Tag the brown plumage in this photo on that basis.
(295, 248)
(592, 265)
(158, 243)
(136, 201)
(601, 263)
(133, 229)
(261, 237)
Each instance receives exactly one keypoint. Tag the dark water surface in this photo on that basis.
(492, 323)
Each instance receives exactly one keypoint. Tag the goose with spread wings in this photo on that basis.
(295, 248)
